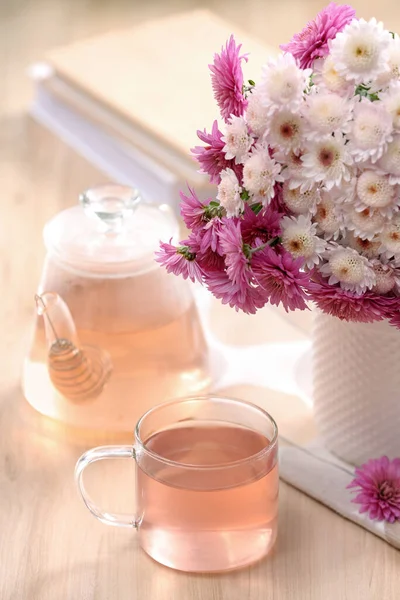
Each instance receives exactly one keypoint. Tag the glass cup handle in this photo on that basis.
(91, 456)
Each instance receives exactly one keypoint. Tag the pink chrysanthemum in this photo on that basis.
(237, 263)
(210, 261)
(209, 235)
(280, 277)
(348, 306)
(179, 260)
(247, 298)
(312, 42)
(227, 80)
(207, 259)
(277, 203)
(204, 219)
(259, 229)
(212, 157)
(378, 484)
(192, 209)
(394, 318)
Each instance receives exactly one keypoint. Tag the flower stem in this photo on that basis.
(272, 242)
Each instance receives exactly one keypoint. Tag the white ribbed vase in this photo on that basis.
(356, 372)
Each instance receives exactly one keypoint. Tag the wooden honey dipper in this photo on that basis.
(77, 372)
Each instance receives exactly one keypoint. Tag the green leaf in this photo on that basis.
(364, 92)
(245, 195)
(361, 90)
(251, 82)
(256, 207)
(310, 84)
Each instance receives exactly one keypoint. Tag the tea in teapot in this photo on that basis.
(114, 334)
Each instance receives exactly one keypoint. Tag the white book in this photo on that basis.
(131, 101)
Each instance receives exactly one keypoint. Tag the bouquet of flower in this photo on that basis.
(307, 175)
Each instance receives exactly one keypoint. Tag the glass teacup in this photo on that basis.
(206, 483)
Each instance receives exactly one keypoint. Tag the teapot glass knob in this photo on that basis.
(110, 204)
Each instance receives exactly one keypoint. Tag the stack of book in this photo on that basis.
(131, 101)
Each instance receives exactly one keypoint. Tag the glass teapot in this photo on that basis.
(114, 333)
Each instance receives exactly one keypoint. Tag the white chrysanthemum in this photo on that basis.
(326, 77)
(385, 277)
(347, 267)
(365, 223)
(282, 83)
(394, 57)
(391, 101)
(327, 161)
(375, 191)
(369, 248)
(285, 131)
(390, 238)
(328, 218)
(371, 131)
(396, 273)
(360, 51)
(393, 62)
(298, 202)
(293, 172)
(327, 113)
(260, 173)
(346, 192)
(229, 193)
(299, 237)
(256, 114)
(390, 161)
(237, 139)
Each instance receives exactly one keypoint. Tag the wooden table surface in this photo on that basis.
(50, 546)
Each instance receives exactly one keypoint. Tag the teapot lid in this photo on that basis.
(112, 233)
